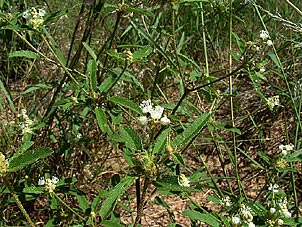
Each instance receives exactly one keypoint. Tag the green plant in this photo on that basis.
(136, 103)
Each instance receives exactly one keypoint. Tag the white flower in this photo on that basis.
(26, 14)
(23, 111)
(41, 181)
(264, 35)
(146, 106)
(156, 112)
(262, 70)
(165, 120)
(41, 12)
(183, 181)
(54, 179)
(143, 120)
(246, 212)
(283, 208)
(273, 101)
(286, 148)
(272, 210)
(236, 220)
(79, 136)
(251, 224)
(269, 42)
(280, 222)
(273, 188)
(50, 184)
(226, 201)
(287, 214)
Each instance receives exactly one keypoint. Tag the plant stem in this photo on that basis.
(24, 212)
(68, 207)
(140, 207)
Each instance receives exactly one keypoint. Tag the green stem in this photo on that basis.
(66, 205)
(117, 79)
(19, 204)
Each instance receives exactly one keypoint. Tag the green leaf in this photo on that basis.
(161, 141)
(7, 95)
(131, 138)
(188, 135)
(147, 12)
(137, 27)
(33, 190)
(235, 55)
(55, 48)
(102, 120)
(143, 52)
(116, 55)
(56, 15)
(83, 203)
(178, 158)
(24, 54)
(126, 103)
(17, 162)
(275, 59)
(170, 183)
(109, 223)
(189, 60)
(25, 146)
(91, 74)
(264, 157)
(205, 218)
(228, 128)
(37, 87)
(110, 202)
(295, 156)
(214, 199)
(106, 84)
(90, 51)
(128, 77)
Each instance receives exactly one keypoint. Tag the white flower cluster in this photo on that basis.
(155, 113)
(226, 201)
(3, 165)
(273, 188)
(273, 101)
(265, 37)
(278, 210)
(26, 124)
(34, 17)
(283, 208)
(50, 184)
(183, 181)
(286, 148)
(243, 217)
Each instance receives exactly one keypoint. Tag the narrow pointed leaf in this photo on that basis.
(131, 138)
(161, 141)
(110, 202)
(24, 54)
(126, 103)
(91, 73)
(17, 162)
(101, 118)
(90, 51)
(205, 218)
(191, 131)
(7, 96)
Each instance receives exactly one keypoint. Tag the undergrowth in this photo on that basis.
(109, 108)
